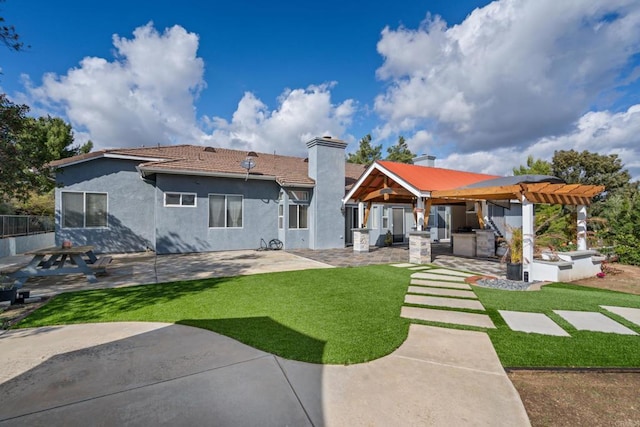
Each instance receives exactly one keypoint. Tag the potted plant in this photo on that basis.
(7, 289)
(388, 238)
(513, 256)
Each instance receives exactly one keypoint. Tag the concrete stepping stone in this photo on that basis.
(422, 267)
(403, 265)
(442, 292)
(447, 272)
(446, 316)
(443, 302)
(431, 276)
(591, 321)
(631, 314)
(537, 323)
(436, 284)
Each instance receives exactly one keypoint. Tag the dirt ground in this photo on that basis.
(585, 398)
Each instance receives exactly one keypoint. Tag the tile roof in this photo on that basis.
(428, 178)
(286, 170)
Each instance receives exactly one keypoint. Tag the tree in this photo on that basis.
(534, 167)
(15, 176)
(590, 168)
(26, 146)
(400, 152)
(366, 153)
(8, 35)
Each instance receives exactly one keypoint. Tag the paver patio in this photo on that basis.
(442, 292)
(438, 277)
(591, 321)
(447, 316)
(437, 284)
(443, 302)
(537, 323)
(631, 314)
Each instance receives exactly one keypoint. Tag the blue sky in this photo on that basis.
(481, 85)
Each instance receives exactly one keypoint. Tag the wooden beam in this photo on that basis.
(386, 193)
(367, 211)
(479, 215)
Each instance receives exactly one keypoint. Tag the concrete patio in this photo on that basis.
(144, 268)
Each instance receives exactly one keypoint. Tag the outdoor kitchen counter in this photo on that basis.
(464, 244)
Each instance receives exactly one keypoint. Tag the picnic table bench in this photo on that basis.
(57, 261)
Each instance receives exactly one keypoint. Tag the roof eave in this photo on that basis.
(144, 170)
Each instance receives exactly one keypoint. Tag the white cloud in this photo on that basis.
(602, 132)
(512, 72)
(301, 114)
(146, 96)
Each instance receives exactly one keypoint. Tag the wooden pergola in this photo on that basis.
(380, 185)
(541, 192)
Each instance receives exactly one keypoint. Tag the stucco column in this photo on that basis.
(360, 223)
(582, 228)
(420, 214)
(527, 238)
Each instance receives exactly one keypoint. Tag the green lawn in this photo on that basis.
(341, 316)
(346, 315)
(582, 349)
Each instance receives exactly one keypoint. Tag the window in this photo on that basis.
(180, 199)
(385, 217)
(280, 217)
(225, 211)
(374, 217)
(299, 196)
(298, 216)
(83, 210)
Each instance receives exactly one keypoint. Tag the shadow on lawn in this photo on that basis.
(265, 334)
(170, 375)
(92, 305)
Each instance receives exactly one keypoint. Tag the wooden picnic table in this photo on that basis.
(57, 261)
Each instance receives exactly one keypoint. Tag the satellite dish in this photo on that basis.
(248, 164)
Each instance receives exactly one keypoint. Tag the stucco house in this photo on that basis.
(186, 198)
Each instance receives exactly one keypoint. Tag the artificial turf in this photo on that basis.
(337, 316)
(348, 315)
(583, 349)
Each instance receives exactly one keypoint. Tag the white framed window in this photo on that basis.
(299, 195)
(83, 209)
(298, 216)
(374, 218)
(385, 217)
(225, 211)
(280, 217)
(180, 199)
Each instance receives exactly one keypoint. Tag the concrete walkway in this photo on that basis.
(152, 373)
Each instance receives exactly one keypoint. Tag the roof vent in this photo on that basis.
(209, 149)
(327, 137)
(252, 154)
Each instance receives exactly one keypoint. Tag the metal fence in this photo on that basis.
(24, 225)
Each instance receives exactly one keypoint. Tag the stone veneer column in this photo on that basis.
(360, 239)
(420, 247)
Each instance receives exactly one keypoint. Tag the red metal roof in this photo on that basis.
(428, 178)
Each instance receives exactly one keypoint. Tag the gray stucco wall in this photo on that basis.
(186, 229)
(130, 202)
(326, 167)
(293, 238)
